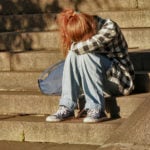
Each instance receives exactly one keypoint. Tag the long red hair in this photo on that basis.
(74, 27)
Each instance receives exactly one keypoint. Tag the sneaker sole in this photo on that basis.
(58, 120)
(95, 120)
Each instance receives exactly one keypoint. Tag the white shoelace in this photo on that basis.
(93, 112)
(62, 110)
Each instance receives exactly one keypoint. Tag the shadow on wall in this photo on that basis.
(20, 16)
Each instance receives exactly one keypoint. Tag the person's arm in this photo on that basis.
(105, 35)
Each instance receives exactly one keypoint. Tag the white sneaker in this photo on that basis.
(94, 115)
(62, 114)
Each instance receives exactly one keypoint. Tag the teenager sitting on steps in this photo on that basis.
(97, 62)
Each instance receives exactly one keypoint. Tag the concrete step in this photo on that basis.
(35, 129)
(122, 145)
(37, 103)
(28, 22)
(40, 6)
(16, 41)
(40, 60)
(137, 37)
(19, 81)
(27, 103)
(143, 4)
(34, 61)
(46, 22)
(136, 128)
(5, 61)
(14, 145)
(27, 81)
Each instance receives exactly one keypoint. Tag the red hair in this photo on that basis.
(74, 27)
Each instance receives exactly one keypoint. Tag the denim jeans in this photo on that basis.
(86, 74)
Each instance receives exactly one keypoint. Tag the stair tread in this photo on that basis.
(46, 21)
(138, 37)
(41, 119)
(13, 102)
(5, 92)
(33, 128)
(14, 145)
(41, 6)
(28, 81)
(40, 60)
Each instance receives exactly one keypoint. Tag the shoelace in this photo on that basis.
(93, 112)
(61, 111)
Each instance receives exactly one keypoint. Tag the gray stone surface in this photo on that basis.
(27, 103)
(35, 129)
(125, 105)
(38, 6)
(7, 145)
(27, 81)
(34, 61)
(144, 4)
(124, 146)
(128, 18)
(15, 41)
(136, 129)
(39, 61)
(137, 37)
(45, 22)
(4, 61)
(36, 103)
(19, 81)
(28, 22)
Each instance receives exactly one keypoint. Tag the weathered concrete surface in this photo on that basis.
(39, 6)
(35, 129)
(29, 41)
(28, 81)
(28, 22)
(4, 61)
(124, 146)
(125, 105)
(36, 103)
(100, 5)
(136, 129)
(33, 6)
(45, 22)
(137, 37)
(128, 18)
(34, 61)
(19, 81)
(15, 41)
(7, 145)
(39, 61)
(144, 4)
(27, 103)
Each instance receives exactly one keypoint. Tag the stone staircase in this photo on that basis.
(29, 43)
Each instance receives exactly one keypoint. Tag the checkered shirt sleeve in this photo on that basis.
(105, 35)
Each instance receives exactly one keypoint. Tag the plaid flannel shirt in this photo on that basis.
(109, 41)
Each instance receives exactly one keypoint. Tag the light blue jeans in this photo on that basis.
(86, 74)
